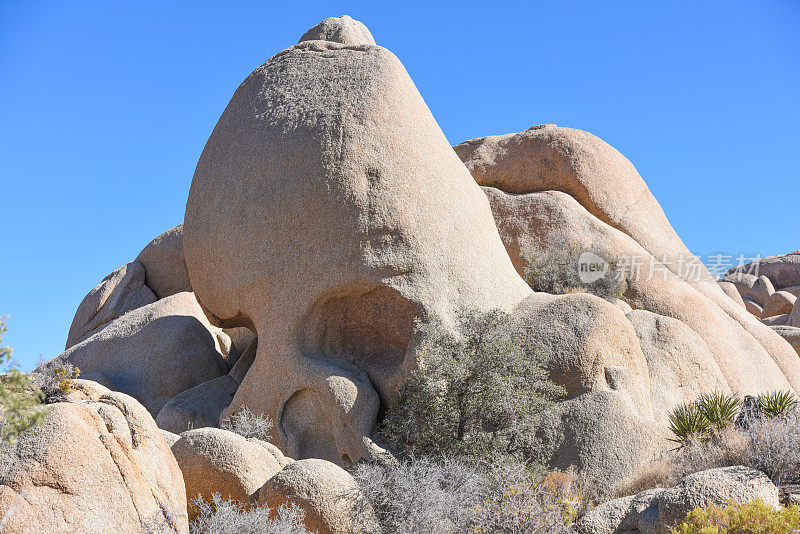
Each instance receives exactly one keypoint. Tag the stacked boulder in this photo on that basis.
(769, 289)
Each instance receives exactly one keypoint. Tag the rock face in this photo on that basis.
(783, 271)
(328, 211)
(165, 268)
(213, 460)
(657, 511)
(95, 466)
(154, 352)
(122, 291)
(330, 497)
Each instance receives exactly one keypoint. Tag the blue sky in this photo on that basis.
(105, 108)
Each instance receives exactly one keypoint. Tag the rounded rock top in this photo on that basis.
(344, 30)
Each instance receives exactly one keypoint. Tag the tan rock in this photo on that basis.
(164, 264)
(779, 303)
(213, 460)
(730, 289)
(154, 352)
(342, 30)
(122, 291)
(330, 497)
(753, 308)
(790, 334)
(329, 249)
(94, 466)
(794, 317)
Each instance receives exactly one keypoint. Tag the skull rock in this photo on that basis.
(327, 211)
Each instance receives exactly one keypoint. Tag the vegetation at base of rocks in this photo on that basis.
(248, 424)
(226, 516)
(557, 272)
(711, 412)
(478, 392)
(460, 495)
(770, 444)
(777, 403)
(20, 401)
(750, 518)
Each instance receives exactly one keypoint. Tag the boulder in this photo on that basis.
(342, 30)
(96, 465)
(790, 334)
(154, 352)
(122, 291)
(753, 307)
(783, 270)
(756, 288)
(331, 498)
(326, 213)
(794, 316)
(777, 320)
(779, 303)
(657, 511)
(729, 289)
(164, 265)
(213, 460)
(202, 405)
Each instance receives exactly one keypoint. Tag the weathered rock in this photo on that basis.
(165, 267)
(756, 288)
(97, 465)
(169, 437)
(794, 317)
(779, 303)
(679, 362)
(213, 460)
(328, 248)
(330, 497)
(154, 352)
(753, 307)
(730, 289)
(777, 320)
(783, 271)
(790, 334)
(657, 511)
(342, 30)
(202, 405)
(119, 292)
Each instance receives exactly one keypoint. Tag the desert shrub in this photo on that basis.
(478, 392)
(20, 401)
(457, 495)
(774, 446)
(54, 379)
(726, 448)
(249, 424)
(711, 412)
(777, 403)
(558, 272)
(750, 518)
(226, 516)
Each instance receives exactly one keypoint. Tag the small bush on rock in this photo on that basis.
(477, 393)
(712, 412)
(751, 518)
(224, 516)
(54, 379)
(558, 272)
(777, 403)
(249, 424)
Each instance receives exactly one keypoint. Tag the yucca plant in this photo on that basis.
(719, 409)
(777, 403)
(686, 421)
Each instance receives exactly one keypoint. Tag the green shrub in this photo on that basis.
(20, 402)
(478, 392)
(777, 403)
(557, 272)
(751, 518)
(719, 409)
(686, 421)
(710, 413)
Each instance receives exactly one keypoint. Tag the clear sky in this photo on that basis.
(105, 108)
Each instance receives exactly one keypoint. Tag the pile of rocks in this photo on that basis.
(327, 213)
